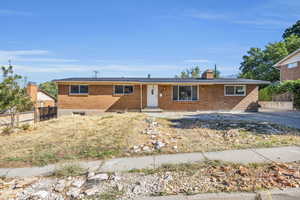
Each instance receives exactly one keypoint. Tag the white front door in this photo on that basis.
(152, 95)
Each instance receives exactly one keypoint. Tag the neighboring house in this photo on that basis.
(289, 66)
(94, 95)
(40, 97)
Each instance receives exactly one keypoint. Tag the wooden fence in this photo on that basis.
(40, 114)
(283, 97)
(24, 117)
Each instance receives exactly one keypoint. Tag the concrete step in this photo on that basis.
(152, 109)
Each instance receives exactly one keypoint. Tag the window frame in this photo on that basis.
(178, 100)
(71, 93)
(292, 65)
(114, 89)
(234, 95)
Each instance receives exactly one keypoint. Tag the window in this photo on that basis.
(185, 93)
(123, 89)
(291, 65)
(79, 89)
(235, 90)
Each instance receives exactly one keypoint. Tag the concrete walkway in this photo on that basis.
(278, 154)
(287, 194)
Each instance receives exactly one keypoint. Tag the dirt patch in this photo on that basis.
(190, 135)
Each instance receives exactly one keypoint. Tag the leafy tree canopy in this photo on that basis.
(258, 63)
(50, 88)
(294, 29)
(193, 72)
(13, 97)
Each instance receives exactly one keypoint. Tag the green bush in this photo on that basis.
(290, 86)
(25, 127)
(7, 130)
(266, 93)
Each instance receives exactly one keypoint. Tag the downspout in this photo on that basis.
(141, 91)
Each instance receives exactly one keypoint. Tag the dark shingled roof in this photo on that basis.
(166, 80)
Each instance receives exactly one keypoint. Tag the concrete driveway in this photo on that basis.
(287, 118)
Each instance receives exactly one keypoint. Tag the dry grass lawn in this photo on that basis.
(74, 137)
(115, 135)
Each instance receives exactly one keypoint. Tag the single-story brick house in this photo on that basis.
(94, 95)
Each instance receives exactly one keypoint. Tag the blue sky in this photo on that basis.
(56, 39)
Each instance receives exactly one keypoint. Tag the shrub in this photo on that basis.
(7, 130)
(291, 86)
(266, 93)
(25, 127)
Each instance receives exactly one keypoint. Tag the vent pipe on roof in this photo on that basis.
(96, 73)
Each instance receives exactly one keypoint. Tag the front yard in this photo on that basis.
(133, 134)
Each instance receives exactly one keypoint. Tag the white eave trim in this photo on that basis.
(287, 57)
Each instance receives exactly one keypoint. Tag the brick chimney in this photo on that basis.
(32, 90)
(208, 74)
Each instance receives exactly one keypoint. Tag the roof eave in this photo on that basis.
(287, 57)
(170, 83)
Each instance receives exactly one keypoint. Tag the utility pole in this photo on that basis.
(215, 72)
(9, 62)
(96, 73)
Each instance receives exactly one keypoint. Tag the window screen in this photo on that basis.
(79, 89)
(235, 90)
(185, 93)
(229, 90)
(123, 89)
(119, 89)
(128, 89)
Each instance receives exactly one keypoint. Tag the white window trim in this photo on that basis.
(114, 89)
(233, 95)
(198, 96)
(70, 93)
(295, 64)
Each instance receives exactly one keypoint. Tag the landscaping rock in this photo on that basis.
(146, 148)
(73, 192)
(159, 144)
(78, 183)
(41, 194)
(60, 186)
(91, 191)
(100, 177)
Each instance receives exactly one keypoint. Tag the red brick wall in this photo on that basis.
(211, 98)
(100, 97)
(289, 73)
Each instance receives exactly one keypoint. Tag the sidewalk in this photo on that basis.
(278, 154)
(287, 194)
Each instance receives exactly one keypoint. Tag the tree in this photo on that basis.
(293, 30)
(193, 72)
(258, 63)
(216, 72)
(50, 88)
(13, 98)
